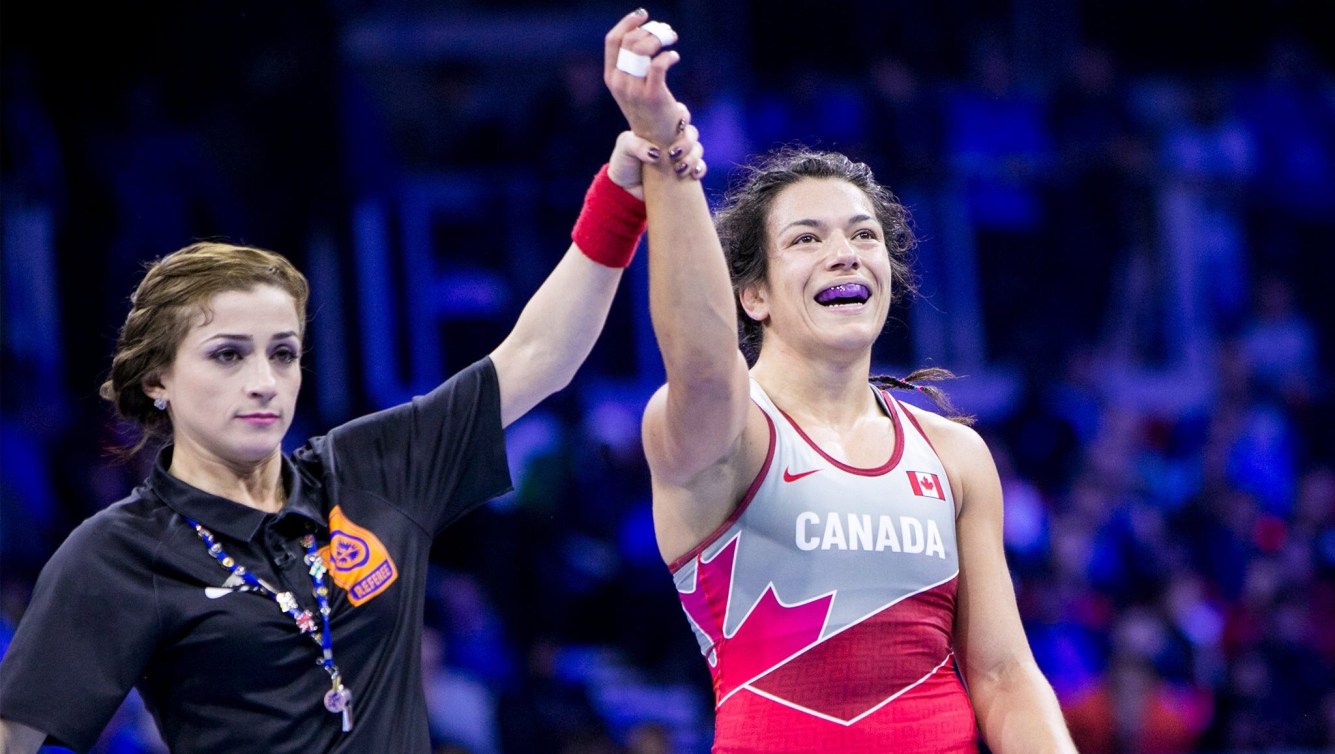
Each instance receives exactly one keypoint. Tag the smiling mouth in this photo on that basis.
(844, 294)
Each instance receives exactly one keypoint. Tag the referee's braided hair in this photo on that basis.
(174, 291)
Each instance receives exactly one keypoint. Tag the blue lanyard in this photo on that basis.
(339, 697)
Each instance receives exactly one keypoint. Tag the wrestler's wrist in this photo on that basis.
(610, 223)
(660, 134)
(668, 132)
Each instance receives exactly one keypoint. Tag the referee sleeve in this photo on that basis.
(86, 636)
(437, 457)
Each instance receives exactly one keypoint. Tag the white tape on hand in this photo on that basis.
(633, 63)
(661, 30)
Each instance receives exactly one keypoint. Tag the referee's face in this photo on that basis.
(233, 386)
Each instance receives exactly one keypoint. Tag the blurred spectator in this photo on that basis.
(1263, 460)
(473, 638)
(813, 107)
(649, 738)
(551, 711)
(717, 97)
(29, 508)
(1288, 108)
(573, 118)
(903, 145)
(904, 126)
(164, 180)
(461, 710)
(1276, 683)
(31, 154)
(1135, 711)
(1135, 708)
(1279, 344)
(1208, 156)
(1102, 171)
(999, 149)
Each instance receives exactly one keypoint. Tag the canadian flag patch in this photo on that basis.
(926, 484)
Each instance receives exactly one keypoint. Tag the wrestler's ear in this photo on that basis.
(755, 301)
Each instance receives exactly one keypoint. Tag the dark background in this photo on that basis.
(1126, 211)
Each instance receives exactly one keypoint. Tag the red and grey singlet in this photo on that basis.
(825, 605)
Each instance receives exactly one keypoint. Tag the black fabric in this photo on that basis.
(132, 598)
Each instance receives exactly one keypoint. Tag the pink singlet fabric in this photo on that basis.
(825, 606)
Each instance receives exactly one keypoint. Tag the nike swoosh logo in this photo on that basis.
(789, 476)
(230, 586)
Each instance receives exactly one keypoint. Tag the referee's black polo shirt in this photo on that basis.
(132, 598)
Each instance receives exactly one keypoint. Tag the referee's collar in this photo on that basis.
(229, 517)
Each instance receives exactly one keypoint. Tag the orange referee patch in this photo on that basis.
(357, 559)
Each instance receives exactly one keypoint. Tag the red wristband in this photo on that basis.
(610, 224)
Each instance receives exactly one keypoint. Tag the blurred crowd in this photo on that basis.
(1127, 261)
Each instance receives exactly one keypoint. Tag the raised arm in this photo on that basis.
(694, 425)
(1016, 708)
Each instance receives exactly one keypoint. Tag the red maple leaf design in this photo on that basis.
(770, 634)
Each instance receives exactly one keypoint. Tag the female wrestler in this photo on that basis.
(838, 553)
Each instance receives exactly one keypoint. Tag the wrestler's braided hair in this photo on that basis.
(938, 396)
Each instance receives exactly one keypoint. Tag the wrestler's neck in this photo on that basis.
(256, 485)
(829, 385)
